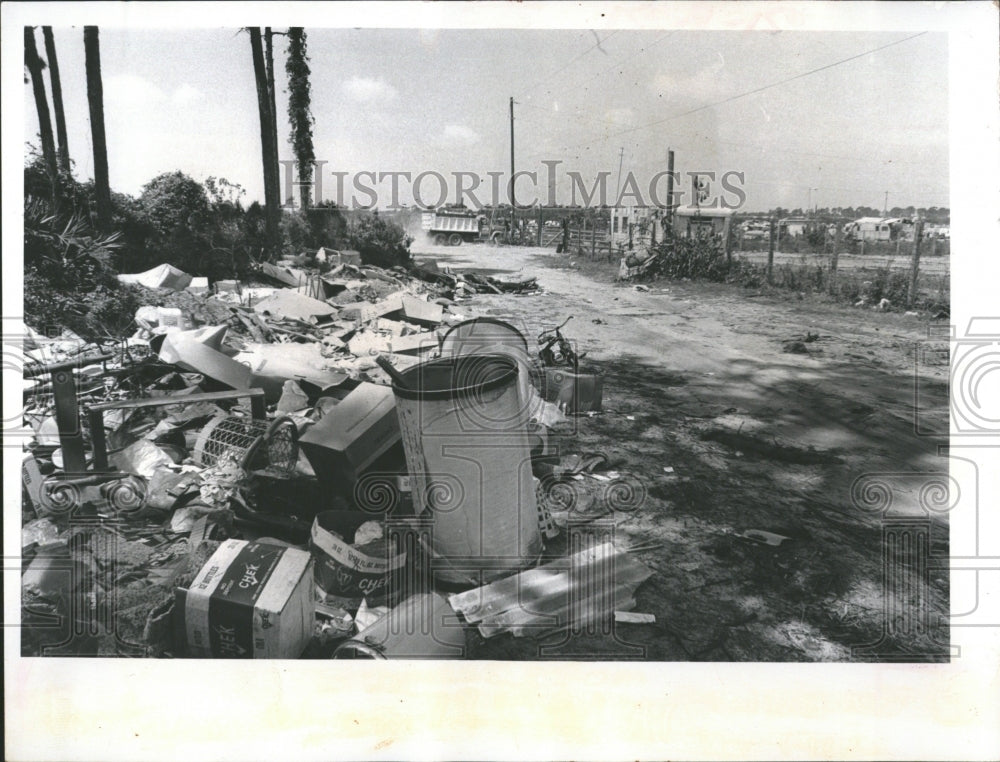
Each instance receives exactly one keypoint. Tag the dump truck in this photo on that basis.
(452, 226)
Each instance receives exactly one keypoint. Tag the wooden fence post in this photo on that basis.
(834, 258)
(918, 231)
(593, 240)
(770, 250)
(727, 242)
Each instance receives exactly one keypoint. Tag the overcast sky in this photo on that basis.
(416, 100)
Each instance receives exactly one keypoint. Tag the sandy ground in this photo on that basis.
(722, 431)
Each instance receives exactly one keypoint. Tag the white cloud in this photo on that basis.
(186, 95)
(130, 91)
(125, 90)
(368, 90)
(457, 133)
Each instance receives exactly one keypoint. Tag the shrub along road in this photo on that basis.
(739, 411)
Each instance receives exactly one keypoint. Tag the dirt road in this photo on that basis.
(722, 430)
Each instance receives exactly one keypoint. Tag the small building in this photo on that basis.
(636, 225)
(697, 221)
(793, 226)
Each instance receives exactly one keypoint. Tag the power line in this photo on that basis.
(625, 58)
(748, 92)
(570, 62)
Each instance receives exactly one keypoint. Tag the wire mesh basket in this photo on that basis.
(256, 444)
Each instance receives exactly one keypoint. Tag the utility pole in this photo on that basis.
(885, 205)
(911, 292)
(510, 188)
(670, 187)
(511, 191)
(618, 189)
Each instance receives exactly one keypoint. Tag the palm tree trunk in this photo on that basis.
(95, 99)
(57, 101)
(34, 64)
(267, 148)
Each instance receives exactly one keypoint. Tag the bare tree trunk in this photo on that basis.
(95, 99)
(34, 64)
(269, 53)
(271, 193)
(57, 100)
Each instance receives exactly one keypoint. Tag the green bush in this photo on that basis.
(68, 280)
(694, 258)
(380, 242)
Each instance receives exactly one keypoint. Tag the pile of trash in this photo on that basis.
(332, 460)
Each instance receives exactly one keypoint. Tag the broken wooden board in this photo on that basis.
(583, 587)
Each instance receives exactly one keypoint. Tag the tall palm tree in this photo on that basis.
(35, 64)
(299, 113)
(57, 101)
(95, 99)
(267, 142)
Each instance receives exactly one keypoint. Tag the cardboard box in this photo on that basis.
(199, 286)
(31, 480)
(346, 574)
(251, 600)
(349, 438)
(574, 392)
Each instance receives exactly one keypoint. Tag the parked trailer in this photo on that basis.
(451, 228)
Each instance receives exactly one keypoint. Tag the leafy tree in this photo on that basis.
(176, 210)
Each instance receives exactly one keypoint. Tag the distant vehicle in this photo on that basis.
(879, 229)
(755, 229)
(449, 227)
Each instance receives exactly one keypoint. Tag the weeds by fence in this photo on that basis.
(801, 244)
(705, 259)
